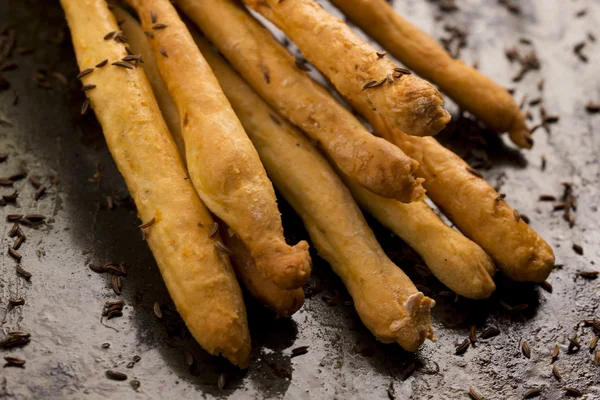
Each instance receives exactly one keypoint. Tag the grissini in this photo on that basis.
(284, 303)
(469, 88)
(386, 300)
(273, 73)
(371, 83)
(223, 165)
(456, 261)
(471, 203)
(137, 41)
(198, 276)
(478, 210)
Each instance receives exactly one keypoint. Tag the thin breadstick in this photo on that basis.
(372, 84)
(275, 76)
(478, 210)
(138, 42)
(224, 166)
(456, 261)
(198, 276)
(386, 300)
(282, 302)
(469, 88)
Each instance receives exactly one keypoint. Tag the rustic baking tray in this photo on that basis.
(90, 219)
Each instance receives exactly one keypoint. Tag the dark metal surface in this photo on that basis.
(64, 299)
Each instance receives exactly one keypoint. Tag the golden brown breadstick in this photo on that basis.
(273, 73)
(386, 300)
(198, 276)
(371, 83)
(224, 166)
(138, 42)
(478, 210)
(456, 261)
(469, 88)
(283, 302)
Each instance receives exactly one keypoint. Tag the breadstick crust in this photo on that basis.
(138, 42)
(273, 73)
(199, 279)
(479, 212)
(456, 261)
(224, 166)
(408, 103)
(386, 300)
(284, 303)
(469, 88)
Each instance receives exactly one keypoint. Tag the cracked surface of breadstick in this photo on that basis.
(273, 73)
(139, 44)
(469, 88)
(223, 165)
(400, 101)
(456, 261)
(386, 300)
(199, 278)
(282, 302)
(478, 210)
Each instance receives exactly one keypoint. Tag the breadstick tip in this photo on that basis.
(520, 134)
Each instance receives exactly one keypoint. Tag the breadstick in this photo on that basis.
(198, 276)
(478, 210)
(224, 166)
(282, 302)
(469, 88)
(138, 42)
(456, 261)
(386, 300)
(272, 71)
(371, 83)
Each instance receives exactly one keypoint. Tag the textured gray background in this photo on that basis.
(64, 299)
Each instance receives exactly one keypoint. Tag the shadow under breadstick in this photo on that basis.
(469, 88)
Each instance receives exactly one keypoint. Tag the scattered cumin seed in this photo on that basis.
(577, 249)
(547, 286)
(109, 35)
(157, 310)
(462, 348)
(298, 351)
(533, 393)
(222, 381)
(546, 197)
(597, 357)
(556, 372)
(474, 395)
(592, 107)
(473, 334)
(572, 392)
(391, 392)
(14, 362)
(594, 342)
(14, 254)
(116, 375)
(23, 273)
(489, 333)
(526, 349)
(588, 274)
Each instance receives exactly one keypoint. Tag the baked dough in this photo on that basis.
(386, 300)
(469, 88)
(273, 73)
(198, 277)
(223, 165)
(407, 103)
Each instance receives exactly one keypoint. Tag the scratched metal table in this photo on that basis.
(63, 300)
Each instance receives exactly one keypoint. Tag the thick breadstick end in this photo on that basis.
(456, 261)
(287, 267)
(370, 83)
(468, 87)
(479, 211)
(284, 303)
